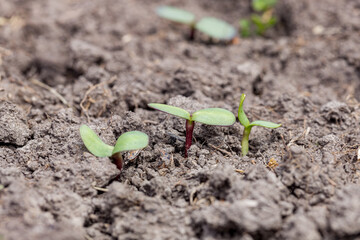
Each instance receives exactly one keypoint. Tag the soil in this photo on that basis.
(72, 62)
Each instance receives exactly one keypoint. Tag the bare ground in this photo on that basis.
(66, 63)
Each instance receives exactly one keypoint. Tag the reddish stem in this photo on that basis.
(192, 33)
(117, 160)
(189, 133)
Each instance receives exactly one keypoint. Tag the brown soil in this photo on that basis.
(72, 62)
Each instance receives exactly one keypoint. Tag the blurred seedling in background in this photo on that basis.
(245, 30)
(1, 187)
(210, 26)
(129, 141)
(263, 20)
(248, 126)
(209, 116)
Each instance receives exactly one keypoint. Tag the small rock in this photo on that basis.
(335, 112)
(13, 125)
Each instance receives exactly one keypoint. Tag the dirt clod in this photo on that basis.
(14, 128)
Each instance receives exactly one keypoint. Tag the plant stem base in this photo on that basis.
(189, 133)
(117, 160)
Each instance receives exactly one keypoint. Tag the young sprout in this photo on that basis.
(179, 16)
(209, 116)
(245, 28)
(210, 26)
(248, 126)
(266, 20)
(128, 141)
(262, 21)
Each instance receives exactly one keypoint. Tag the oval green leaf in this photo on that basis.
(214, 116)
(93, 143)
(131, 141)
(265, 124)
(179, 112)
(175, 14)
(216, 28)
(241, 114)
(263, 5)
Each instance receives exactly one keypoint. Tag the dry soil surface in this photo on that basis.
(100, 62)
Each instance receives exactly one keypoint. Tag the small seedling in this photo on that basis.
(263, 20)
(248, 126)
(128, 141)
(1, 187)
(213, 27)
(209, 116)
(245, 28)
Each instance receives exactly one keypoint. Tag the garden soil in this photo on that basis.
(72, 62)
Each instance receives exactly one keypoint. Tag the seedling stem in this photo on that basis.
(117, 160)
(245, 141)
(189, 133)
(192, 32)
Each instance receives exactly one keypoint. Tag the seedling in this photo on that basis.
(245, 30)
(209, 116)
(248, 126)
(213, 27)
(128, 141)
(263, 20)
